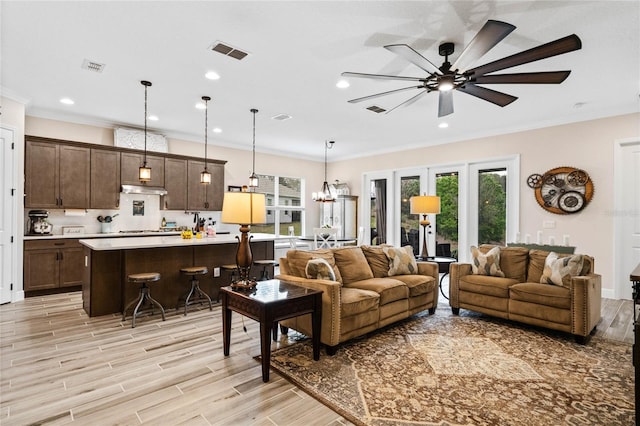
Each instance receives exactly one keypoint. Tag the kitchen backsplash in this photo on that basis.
(137, 212)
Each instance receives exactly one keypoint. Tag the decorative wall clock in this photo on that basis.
(563, 190)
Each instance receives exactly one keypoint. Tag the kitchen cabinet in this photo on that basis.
(130, 163)
(175, 182)
(204, 197)
(105, 179)
(52, 263)
(56, 175)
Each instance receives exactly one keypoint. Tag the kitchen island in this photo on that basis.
(108, 261)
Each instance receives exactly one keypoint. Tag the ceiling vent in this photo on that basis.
(376, 108)
(228, 50)
(93, 66)
(281, 117)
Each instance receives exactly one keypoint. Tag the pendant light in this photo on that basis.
(205, 176)
(324, 196)
(144, 172)
(253, 179)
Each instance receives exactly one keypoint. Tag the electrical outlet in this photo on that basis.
(549, 224)
(216, 272)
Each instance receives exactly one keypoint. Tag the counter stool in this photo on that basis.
(199, 295)
(265, 264)
(232, 268)
(145, 295)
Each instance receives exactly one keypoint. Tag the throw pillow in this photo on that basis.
(319, 269)
(401, 260)
(377, 260)
(486, 264)
(559, 270)
(297, 260)
(352, 264)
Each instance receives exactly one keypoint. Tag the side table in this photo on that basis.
(443, 268)
(270, 302)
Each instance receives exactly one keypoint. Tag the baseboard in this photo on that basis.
(608, 293)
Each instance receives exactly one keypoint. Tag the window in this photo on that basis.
(447, 185)
(284, 202)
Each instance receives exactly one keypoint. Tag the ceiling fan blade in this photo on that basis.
(445, 103)
(489, 35)
(414, 57)
(379, 76)
(545, 77)
(409, 101)
(377, 95)
(493, 96)
(557, 47)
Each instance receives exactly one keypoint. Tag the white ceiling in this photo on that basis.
(297, 52)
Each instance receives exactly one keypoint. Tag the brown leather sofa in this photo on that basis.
(363, 297)
(573, 308)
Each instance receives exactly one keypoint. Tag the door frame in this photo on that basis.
(13, 162)
(622, 286)
(365, 203)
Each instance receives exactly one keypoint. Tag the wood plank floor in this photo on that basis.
(58, 366)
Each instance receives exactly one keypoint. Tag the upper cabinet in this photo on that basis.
(132, 161)
(175, 182)
(56, 176)
(205, 197)
(105, 179)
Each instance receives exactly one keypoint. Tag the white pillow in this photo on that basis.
(486, 264)
(559, 270)
(401, 260)
(319, 269)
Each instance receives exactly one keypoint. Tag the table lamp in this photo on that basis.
(244, 209)
(424, 205)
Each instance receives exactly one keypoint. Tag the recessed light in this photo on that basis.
(342, 84)
(443, 125)
(217, 130)
(201, 105)
(212, 75)
(153, 117)
(67, 101)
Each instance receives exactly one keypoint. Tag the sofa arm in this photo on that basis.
(331, 301)
(429, 269)
(456, 271)
(586, 303)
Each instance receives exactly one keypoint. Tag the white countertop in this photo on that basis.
(98, 235)
(130, 243)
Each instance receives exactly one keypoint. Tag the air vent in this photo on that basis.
(93, 66)
(228, 50)
(281, 117)
(376, 108)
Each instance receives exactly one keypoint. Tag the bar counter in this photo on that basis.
(108, 262)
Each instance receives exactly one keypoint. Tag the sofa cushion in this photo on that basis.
(417, 284)
(536, 265)
(559, 270)
(542, 294)
(484, 284)
(401, 260)
(354, 301)
(513, 261)
(377, 260)
(486, 263)
(319, 269)
(297, 260)
(389, 289)
(352, 264)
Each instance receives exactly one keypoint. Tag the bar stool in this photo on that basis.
(200, 296)
(265, 264)
(145, 295)
(232, 268)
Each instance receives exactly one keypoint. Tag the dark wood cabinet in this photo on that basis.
(130, 163)
(50, 264)
(204, 197)
(56, 176)
(175, 182)
(105, 179)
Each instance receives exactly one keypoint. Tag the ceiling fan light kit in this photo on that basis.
(457, 77)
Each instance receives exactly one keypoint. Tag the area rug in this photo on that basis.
(468, 370)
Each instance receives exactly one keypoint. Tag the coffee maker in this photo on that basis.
(38, 223)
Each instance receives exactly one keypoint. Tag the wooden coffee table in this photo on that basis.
(270, 302)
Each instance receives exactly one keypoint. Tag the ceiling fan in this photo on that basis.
(447, 78)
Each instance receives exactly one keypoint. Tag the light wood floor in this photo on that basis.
(58, 366)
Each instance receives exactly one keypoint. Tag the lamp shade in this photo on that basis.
(425, 204)
(244, 208)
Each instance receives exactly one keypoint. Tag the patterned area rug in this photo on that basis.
(468, 370)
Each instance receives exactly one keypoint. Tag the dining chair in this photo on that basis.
(325, 237)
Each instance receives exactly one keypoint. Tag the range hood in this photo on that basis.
(143, 189)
